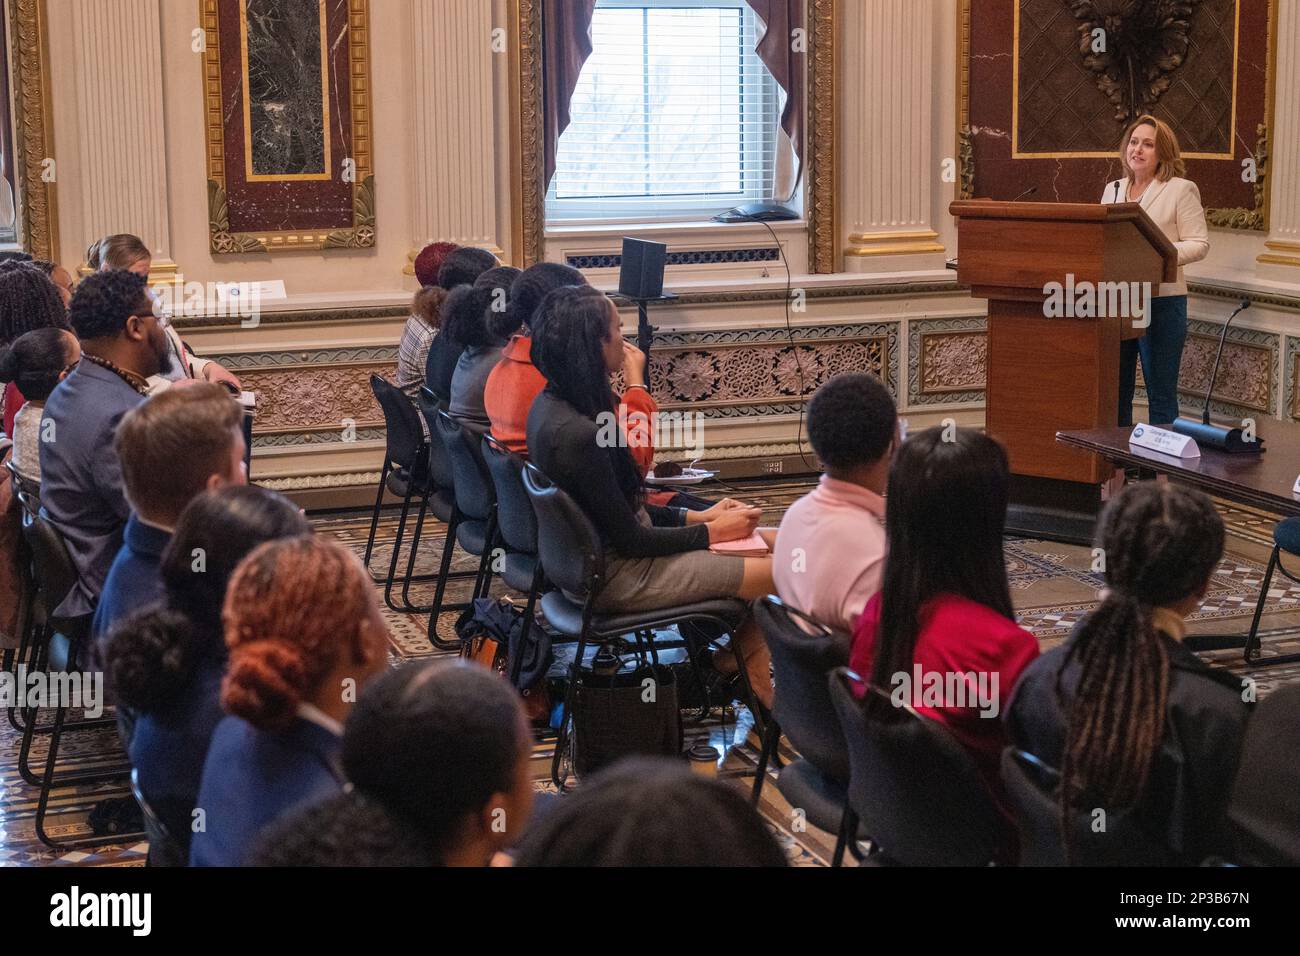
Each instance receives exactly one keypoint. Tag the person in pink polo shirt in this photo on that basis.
(830, 548)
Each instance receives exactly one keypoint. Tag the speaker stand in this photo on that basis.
(645, 332)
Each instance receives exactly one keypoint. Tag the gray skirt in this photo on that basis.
(646, 584)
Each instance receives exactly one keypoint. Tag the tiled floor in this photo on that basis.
(1053, 586)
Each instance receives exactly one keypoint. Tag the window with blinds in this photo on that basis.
(674, 117)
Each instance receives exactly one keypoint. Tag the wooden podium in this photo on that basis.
(1049, 374)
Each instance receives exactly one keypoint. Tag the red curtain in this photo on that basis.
(566, 44)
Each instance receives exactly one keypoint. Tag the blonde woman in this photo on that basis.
(1150, 156)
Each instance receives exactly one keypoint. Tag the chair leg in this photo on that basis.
(770, 739)
(517, 665)
(562, 733)
(848, 831)
(397, 548)
(1252, 639)
(448, 545)
(410, 561)
(757, 709)
(374, 515)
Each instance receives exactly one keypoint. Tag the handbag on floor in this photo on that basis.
(616, 715)
(492, 635)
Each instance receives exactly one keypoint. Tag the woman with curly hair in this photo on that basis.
(303, 634)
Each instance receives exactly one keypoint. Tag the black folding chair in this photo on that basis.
(61, 647)
(804, 652)
(573, 560)
(915, 787)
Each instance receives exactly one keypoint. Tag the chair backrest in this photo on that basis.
(515, 515)
(440, 470)
(52, 566)
(404, 435)
(1033, 789)
(916, 789)
(475, 494)
(1264, 809)
(27, 490)
(567, 543)
(801, 661)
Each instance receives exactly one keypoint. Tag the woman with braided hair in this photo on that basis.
(29, 300)
(304, 635)
(1135, 723)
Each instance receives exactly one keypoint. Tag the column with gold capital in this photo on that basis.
(888, 161)
(1283, 243)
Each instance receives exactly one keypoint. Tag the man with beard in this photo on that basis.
(123, 343)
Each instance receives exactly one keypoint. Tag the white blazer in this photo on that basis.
(1174, 206)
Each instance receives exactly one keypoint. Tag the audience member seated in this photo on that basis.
(425, 319)
(943, 612)
(1134, 722)
(166, 662)
(61, 278)
(28, 301)
(1264, 809)
(124, 252)
(122, 345)
(830, 548)
(515, 382)
(304, 635)
(461, 267)
(466, 322)
(438, 759)
(175, 445)
(658, 556)
(651, 812)
(36, 363)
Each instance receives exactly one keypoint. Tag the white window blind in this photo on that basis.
(674, 117)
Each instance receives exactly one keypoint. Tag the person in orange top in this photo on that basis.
(515, 382)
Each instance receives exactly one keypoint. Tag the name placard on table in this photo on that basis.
(1164, 441)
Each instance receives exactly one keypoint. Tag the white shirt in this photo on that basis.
(1174, 206)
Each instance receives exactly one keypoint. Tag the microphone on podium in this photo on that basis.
(1028, 192)
(1215, 436)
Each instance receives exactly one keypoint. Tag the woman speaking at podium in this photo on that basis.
(1149, 154)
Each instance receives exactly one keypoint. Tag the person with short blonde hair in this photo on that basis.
(1154, 168)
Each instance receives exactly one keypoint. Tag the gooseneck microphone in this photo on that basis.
(1224, 439)
(1115, 196)
(1028, 192)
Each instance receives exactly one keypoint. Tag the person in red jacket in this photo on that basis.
(941, 635)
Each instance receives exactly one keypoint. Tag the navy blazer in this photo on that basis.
(1183, 807)
(133, 580)
(81, 480)
(252, 777)
(169, 745)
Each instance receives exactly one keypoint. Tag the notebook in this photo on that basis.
(752, 547)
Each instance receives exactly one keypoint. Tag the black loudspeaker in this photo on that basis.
(642, 275)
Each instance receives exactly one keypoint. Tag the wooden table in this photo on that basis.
(1262, 481)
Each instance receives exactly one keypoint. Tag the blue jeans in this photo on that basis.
(1161, 350)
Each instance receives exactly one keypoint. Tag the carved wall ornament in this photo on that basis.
(34, 131)
(1144, 42)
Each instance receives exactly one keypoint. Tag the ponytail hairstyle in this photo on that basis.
(1161, 543)
(432, 743)
(463, 266)
(533, 285)
(36, 361)
(294, 612)
(947, 509)
(29, 300)
(467, 311)
(152, 654)
(119, 252)
(568, 348)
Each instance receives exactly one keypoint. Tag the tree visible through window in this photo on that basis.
(674, 116)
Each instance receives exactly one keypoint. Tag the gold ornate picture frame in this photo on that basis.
(251, 209)
(33, 172)
(528, 197)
